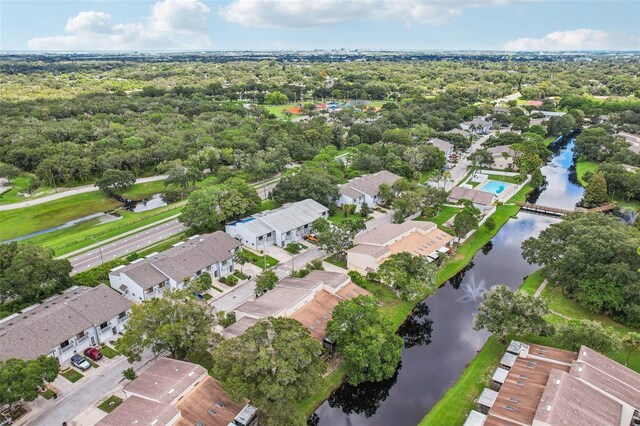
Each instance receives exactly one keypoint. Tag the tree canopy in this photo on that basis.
(115, 181)
(365, 339)
(336, 239)
(275, 364)
(575, 333)
(20, 379)
(410, 276)
(593, 257)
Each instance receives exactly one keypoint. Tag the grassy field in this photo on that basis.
(548, 141)
(583, 166)
(259, 261)
(501, 178)
(72, 375)
(446, 213)
(108, 351)
(19, 222)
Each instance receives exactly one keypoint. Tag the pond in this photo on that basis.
(439, 336)
(154, 202)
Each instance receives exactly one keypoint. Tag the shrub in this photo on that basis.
(231, 280)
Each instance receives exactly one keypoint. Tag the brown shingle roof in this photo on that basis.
(477, 197)
(368, 184)
(136, 411)
(387, 232)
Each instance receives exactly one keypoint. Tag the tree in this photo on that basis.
(365, 210)
(575, 333)
(537, 178)
(265, 281)
(241, 257)
(311, 183)
(466, 219)
(20, 379)
(596, 192)
(386, 194)
(410, 276)
(129, 374)
(115, 181)
(276, 98)
(593, 258)
(8, 171)
(483, 157)
(365, 339)
(632, 342)
(175, 323)
(561, 125)
(504, 312)
(29, 272)
(275, 364)
(490, 223)
(337, 238)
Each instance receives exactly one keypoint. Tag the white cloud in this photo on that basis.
(581, 39)
(306, 13)
(172, 24)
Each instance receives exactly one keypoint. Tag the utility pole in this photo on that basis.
(99, 249)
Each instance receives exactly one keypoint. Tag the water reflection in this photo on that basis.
(416, 331)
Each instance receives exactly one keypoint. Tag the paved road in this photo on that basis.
(127, 245)
(137, 241)
(68, 193)
(88, 391)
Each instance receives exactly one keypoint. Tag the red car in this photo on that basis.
(92, 353)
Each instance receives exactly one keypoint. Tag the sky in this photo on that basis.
(536, 25)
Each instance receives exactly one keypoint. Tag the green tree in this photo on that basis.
(596, 192)
(175, 323)
(503, 312)
(537, 179)
(115, 181)
(129, 374)
(466, 219)
(365, 210)
(276, 98)
(311, 183)
(265, 281)
(575, 333)
(593, 258)
(8, 171)
(336, 239)
(490, 223)
(410, 276)
(632, 343)
(365, 339)
(275, 364)
(29, 273)
(561, 125)
(386, 194)
(20, 379)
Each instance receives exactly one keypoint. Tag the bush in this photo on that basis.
(225, 319)
(490, 223)
(301, 273)
(223, 280)
(315, 265)
(231, 280)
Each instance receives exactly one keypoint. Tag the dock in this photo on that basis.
(554, 211)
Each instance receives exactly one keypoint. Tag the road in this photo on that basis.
(88, 391)
(127, 245)
(137, 241)
(68, 193)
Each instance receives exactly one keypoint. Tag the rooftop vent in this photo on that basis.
(219, 404)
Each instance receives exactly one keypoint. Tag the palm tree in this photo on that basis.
(632, 341)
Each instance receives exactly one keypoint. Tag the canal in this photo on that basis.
(439, 336)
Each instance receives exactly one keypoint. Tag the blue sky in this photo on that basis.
(309, 24)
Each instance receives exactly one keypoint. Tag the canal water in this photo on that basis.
(439, 336)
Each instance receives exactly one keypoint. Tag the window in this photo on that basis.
(80, 335)
(122, 314)
(260, 238)
(269, 234)
(162, 284)
(64, 344)
(104, 324)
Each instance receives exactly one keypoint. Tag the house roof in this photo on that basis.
(239, 327)
(182, 260)
(197, 405)
(498, 150)
(273, 302)
(460, 132)
(165, 380)
(291, 216)
(441, 144)
(315, 314)
(39, 330)
(368, 184)
(374, 251)
(478, 121)
(422, 244)
(329, 278)
(569, 401)
(383, 234)
(475, 196)
(610, 367)
(140, 412)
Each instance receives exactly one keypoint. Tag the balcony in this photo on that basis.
(82, 339)
(104, 330)
(67, 348)
(123, 319)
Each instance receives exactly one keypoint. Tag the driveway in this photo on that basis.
(88, 391)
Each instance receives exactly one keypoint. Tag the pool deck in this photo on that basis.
(505, 194)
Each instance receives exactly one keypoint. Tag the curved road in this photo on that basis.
(68, 193)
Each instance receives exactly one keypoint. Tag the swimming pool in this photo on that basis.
(494, 187)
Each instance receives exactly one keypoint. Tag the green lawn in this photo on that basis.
(91, 363)
(532, 282)
(20, 184)
(583, 166)
(110, 404)
(446, 213)
(453, 408)
(342, 263)
(108, 351)
(278, 110)
(72, 375)
(259, 261)
(268, 205)
(47, 394)
(548, 141)
(501, 178)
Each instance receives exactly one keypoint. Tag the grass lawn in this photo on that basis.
(240, 275)
(446, 213)
(108, 351)
(207, 296)
(294, 248)
(19, 184)
(72, 375)
(548, 141)
(91, 363)
(532, 282)
(47, 394)
(110, 404)
(268, 205)
(335, 261)
(453, 408)
(278, 110)
(501, 178)
(583, 166)
(259, 261)
(340, 217)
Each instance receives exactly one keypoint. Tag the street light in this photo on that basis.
(99, 249)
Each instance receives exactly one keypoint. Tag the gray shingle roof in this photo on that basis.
(384, 233)
(294, 215)
(475, 196)
(441, 144)
(273, 302)
(39, 330)
(183, 260)
(368, 184)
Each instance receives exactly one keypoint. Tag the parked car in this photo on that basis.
(93, 354)
(311, 237)
(79, 362)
